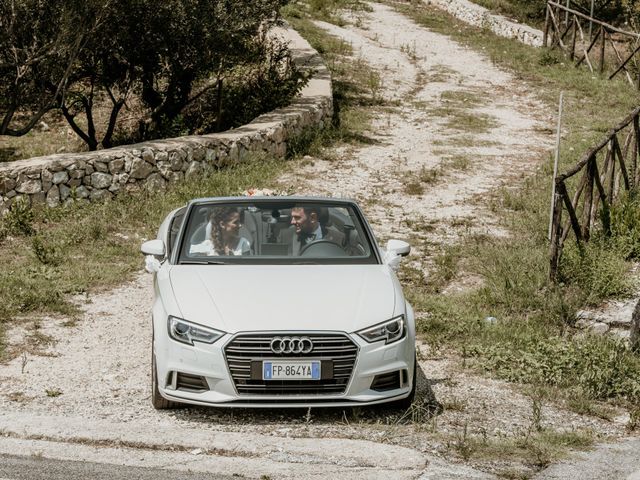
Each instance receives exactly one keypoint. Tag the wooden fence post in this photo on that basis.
(556, 160)
(635, 150)
(634, 337)
(556, 235)
(546, 26)
(573, 40)
(588, 200)
(602, 46)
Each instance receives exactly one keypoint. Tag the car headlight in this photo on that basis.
(187, 332)
(389, 331)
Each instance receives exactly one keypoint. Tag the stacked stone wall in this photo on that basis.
(97, 176)
(474, 14)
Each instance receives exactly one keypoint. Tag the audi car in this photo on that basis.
(277, 301)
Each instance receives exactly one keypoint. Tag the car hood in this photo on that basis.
(237, 298)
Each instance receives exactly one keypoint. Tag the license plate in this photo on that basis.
(290, 370)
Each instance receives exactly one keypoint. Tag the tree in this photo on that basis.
(103, 71)
(40, 41)
(200, 42)
(72, 55)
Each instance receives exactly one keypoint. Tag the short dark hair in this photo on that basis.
(321, 212)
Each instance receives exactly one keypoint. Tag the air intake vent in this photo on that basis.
(336, 352)
(191, 383)
(387, 381)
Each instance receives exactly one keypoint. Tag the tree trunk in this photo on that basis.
(219, 100)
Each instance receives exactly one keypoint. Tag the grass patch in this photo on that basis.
(356, 86)
(414, 181)
(463, 98)
(325, 10)
(533, 340)
(463, 141)
(81, 247)
(50, 254)
(457, 118)
(537, 450)
(531, 13)
(456, 111)
(458, 162)
(440, 74)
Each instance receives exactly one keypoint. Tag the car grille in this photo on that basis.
(335, 350)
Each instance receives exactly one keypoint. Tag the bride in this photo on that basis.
(223, 234)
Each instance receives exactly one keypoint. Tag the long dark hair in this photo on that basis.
(220, 215)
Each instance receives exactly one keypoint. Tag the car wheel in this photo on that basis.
(157, 400)
(405, 403)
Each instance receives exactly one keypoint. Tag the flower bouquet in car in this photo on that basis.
(263, 192)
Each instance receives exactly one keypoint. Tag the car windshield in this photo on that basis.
(275, 232)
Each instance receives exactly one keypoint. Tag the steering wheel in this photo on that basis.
(322, 248)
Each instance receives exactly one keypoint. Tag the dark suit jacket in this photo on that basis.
(328, 233)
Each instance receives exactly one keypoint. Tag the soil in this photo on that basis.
(89, 388)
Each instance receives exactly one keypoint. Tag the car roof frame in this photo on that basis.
(175, 254)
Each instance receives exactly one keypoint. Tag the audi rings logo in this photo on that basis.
(291, 345)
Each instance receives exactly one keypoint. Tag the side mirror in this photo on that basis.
(398, 247)
(395, 250)
(153, 247)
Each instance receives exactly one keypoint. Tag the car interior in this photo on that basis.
(271, 234)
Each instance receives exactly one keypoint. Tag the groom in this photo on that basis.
(310, 225)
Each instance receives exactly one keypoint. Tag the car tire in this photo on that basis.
(157, 400)
(406, 402)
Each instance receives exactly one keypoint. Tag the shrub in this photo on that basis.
(19, 220)
(248, 91)
(45, 251)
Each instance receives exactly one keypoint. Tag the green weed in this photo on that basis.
(19, 220)
(532, 341)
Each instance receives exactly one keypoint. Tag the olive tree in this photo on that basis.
(40, 42)
(189, 47)
(104, 73)
(74, 55)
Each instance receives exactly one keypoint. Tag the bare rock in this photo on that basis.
(155, 182)
(161, 156)
(65, 192)
(101, 180)
(194, 170)
(82, 192)
(147, 156)
(60, 177)
(176, 162)
(599, 328)
(116, 166)
(6, 185)
(29, 186)
(140, 169)
(100, 195)
(53, 196)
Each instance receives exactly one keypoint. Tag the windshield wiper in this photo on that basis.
(307, 262)
(202, 262)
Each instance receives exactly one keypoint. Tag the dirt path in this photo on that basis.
(88, 396)
(498, 136)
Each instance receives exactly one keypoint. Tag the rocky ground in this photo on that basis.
(86, 394)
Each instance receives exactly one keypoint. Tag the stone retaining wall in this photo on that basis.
(57, 179)
(474, 14)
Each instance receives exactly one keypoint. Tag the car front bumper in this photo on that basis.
(209, 363)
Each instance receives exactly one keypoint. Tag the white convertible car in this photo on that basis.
(277, 301)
